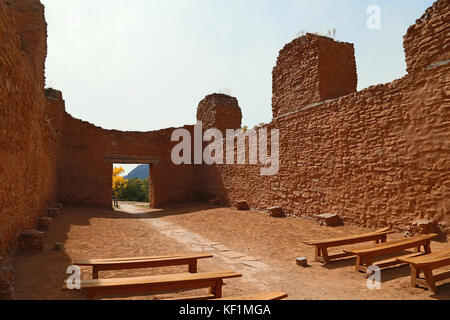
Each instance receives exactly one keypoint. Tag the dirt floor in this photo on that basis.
(261, 248)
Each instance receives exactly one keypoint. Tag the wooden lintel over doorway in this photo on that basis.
(132, 159)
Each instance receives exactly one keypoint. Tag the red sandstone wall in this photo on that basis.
(427, 41)
(219, 111)
(310, 69)
(379, 157)
(28, 145)
(31, 28)
(85, 178)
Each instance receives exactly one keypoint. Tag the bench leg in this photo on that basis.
(193, 266)
(430, 280)
(317, 254)
(427, 247)
(415, 273)
(94, 272)
(216, 290)
(358, 263)
(325, 255)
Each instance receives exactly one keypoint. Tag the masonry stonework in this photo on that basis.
(219, 111)
(28, 144)
(378, 157)
(311, 69)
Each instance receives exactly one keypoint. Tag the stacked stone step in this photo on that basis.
(242, 205)
(6, 279)
(43, 223)
(55, 210)
(31, 240)
(276, 212)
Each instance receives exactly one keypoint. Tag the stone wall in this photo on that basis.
(31, 28)
(311, 69)
(378, 157)
(85, 177)
(427, 41)
(28, 143)
(219, 111)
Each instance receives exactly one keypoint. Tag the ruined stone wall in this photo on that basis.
(28, 144)
(427, 41)
(219, 111)
(310, 69)
(85, 177)
(31, 28)
(379, 157)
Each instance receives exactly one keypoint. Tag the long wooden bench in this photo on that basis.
(259, 296)
(365, 256)
(321, 246)
(158, 283)
(426, 264)
(143, 262)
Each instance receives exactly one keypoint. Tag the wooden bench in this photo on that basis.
(426, 264)
(158, 283)
(321, 246)
(143, 262)
(259, 296)
(365, 256)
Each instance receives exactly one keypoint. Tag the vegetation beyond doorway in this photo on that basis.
(129, 189)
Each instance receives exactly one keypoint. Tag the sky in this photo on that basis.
(143, 65)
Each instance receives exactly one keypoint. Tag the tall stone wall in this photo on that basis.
(85, 176)
(219, 111)
(311, 69)
(28, 144)
(31, 28)
(378, 157)
(427, 41)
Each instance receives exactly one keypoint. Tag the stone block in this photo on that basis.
(53, 212)
(31, 240)
(57, 205)
(276, 212)
(302, 261)
(43, 223)
(214, 202)
(426, 226)
(328, 219)
(242, 205)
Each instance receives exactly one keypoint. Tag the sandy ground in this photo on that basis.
(261, 248)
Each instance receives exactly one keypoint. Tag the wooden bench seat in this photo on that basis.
(321, 246)
(426, 264)
(143, 262)
(365, 256)
(157, 283)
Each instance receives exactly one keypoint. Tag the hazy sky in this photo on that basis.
(141, 65)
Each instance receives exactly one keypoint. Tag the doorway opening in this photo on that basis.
(130, 185)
